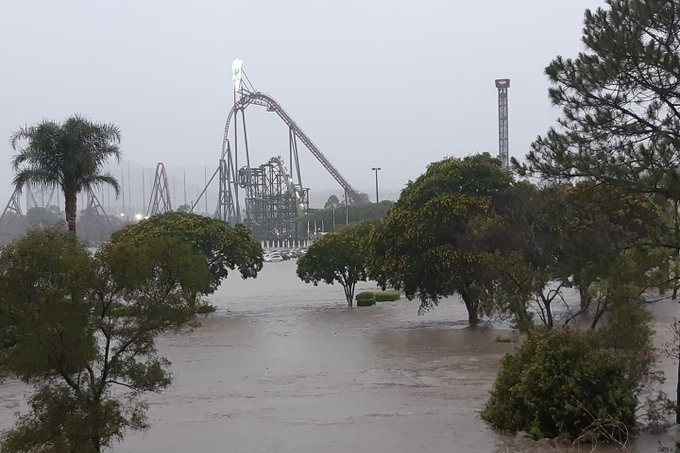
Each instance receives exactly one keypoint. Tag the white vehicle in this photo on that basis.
(270, 257)
(275, 257)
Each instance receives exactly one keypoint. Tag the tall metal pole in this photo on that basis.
(144, 204)
(184, 174)
(503, 147)
(346, 209)
(205, 182)
(122, 188)
(130, 189)
(376, 169)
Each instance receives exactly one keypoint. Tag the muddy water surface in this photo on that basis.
(286, 367)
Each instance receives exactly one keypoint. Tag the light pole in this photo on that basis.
(376, 170)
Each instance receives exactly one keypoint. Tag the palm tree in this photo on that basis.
(69, 156)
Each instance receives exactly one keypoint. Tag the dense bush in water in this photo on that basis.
(365, 302)
(558, 383)
(387, 296)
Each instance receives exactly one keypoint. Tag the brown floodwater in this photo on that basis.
(286, 367)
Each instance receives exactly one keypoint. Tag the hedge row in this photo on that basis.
(365, 299)
(386, 296)
(368, 298)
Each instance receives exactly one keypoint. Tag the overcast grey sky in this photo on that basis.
(395, 84)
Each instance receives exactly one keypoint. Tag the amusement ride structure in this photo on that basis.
(274, 197)
(268, 198)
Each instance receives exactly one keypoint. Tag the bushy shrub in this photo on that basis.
(560, 382)
(365, 302)
(387, 296)
(365, 299)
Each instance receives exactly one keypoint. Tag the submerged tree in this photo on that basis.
(69, 156)
(437, 240)
(620, 100)
(338, 257)
(225, 248)
(82, 330)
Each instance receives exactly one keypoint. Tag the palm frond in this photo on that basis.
(71, 155)
(100, 180)
(35, 177)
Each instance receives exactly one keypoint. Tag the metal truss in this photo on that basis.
(94, 211)
(503, 147)
(160, 193)
(271, 199)
(274, 203)
(12, 221)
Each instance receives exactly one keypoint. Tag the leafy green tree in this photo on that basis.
(69, 156)
(602, 227)
(621, 123)
(337, 257)
(225, 248)
(585, 236)
(529, 232)
(620, 97)
(351, 213)
(332, 202)
(43, 217)
(437, 240)
(82, 330)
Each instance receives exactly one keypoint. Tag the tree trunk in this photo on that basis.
(585, 301)
(349, 293)
(472, 308)
(677, 395)
(548, 311)
(473, 317)
(70, 206)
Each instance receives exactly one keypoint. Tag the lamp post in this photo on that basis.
(376, 170)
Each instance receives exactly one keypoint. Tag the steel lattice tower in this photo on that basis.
(12, 221)
(503, 150)
(160, 193)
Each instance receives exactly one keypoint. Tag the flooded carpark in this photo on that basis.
(283, 366)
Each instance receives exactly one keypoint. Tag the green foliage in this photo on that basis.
(387, 296)
(338, 257)
(332, 202)
(439, 238)
(38, 217)
(582, 236)
(560, 382)
(598, 224)
(365, 302)
(225, 248)
(366, 295)
(60, 421)
(620, 124)
(619, 97)
(205, 309)
(69, 156)
(335, 215)
(78, 325)
(44, 280)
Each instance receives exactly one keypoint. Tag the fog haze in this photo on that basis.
(395, 84)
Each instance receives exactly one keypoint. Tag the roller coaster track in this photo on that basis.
(258, 98)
